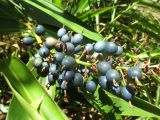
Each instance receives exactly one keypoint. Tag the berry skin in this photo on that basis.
(61, 32)
(135, 72)
(116, 89)
(51, 79)
(40, 30)
(102, 80)
(77, 49)
(50, 42)
(44, 52)
(111, 61)
(65, 38)
(91, 86)
(37, 62)
(89, 48)
(110, 48)
(69, 48)
(59, 57)
(126, 93)
(28, 40)
(78, 38)
(119, 51)
(45, 64)
(64, 85)
(103, 67)
(99, 46)
(112, 75)
(78, 79)
(68, 62)
(53, 69)
(69, 75)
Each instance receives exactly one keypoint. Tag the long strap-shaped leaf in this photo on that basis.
(21, 79)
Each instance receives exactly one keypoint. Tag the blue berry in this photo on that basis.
(134, 72)
(119, 51)
(44, 52)
(64, 85)
(61, 32)
(126, 93)
(51, 79)
(140, 64)
(45, 64)
(111, 61)
(78, 79)
(28, 40)
(53, 69)
(69, 48)
(69, 75)
(59, 57)
(78, 38)
(37, 62)
(91, 86)
(77, 49)
(103, 67)
(110, 48)
(40, 30)
(50, 42)
(89, 48)
(68, 62)
(102, 80)
(99, 46)
(112, 75)
(66, 38)
(116, 88)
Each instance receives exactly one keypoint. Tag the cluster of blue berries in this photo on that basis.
(62, 62)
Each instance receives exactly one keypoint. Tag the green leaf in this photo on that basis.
(15, 107)
(29, 90)
(48, 13)
(81, 6)
(150, 3)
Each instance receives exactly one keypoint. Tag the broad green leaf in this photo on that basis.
(28, 87)
(15, 107)
(48, 13)
(150, 3)
(83, 4)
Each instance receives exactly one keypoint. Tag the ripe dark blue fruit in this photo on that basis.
(61, 32)
(28, 40)
(112, 75)
(59, 57)
(64, 85)
(37, 62)
(51, 79)
(78, 38)
(53, 69)
(69, 48)
(77, 49)
(99, 46)
(116, 88)
(126, 93)
(111, 61)
(66, 38)
(89, 48)
(78, 79)
(110, 48)
(91, 86)
(103, 67)
(44, 52)
(68, 62)
(119, 51)
(45, 64)
(69, 75)
(40, 30)
(134, 72)
(50, 42)
(102, 80)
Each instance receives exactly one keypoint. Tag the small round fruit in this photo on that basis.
(111, 61)
(51, 79)
(110, 48)
(77, 49)
(78, 79)
(66, 38)
(126, 93)
(45, 64)
(91, 86)
(50, 42)
(68, 62)
(61, 32)
(135, 72)
(102, 80)
(37, 62)
(53, 69)
(112, 75)
(44, 52)
(64, 85)
(103, 67)
(59, 57)
(78, 38)
(119, 51)
(69, 75)
(28, 40)
(116, 88)
(40, 30)
(99, 46)
(69, 48)
(89, 48)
